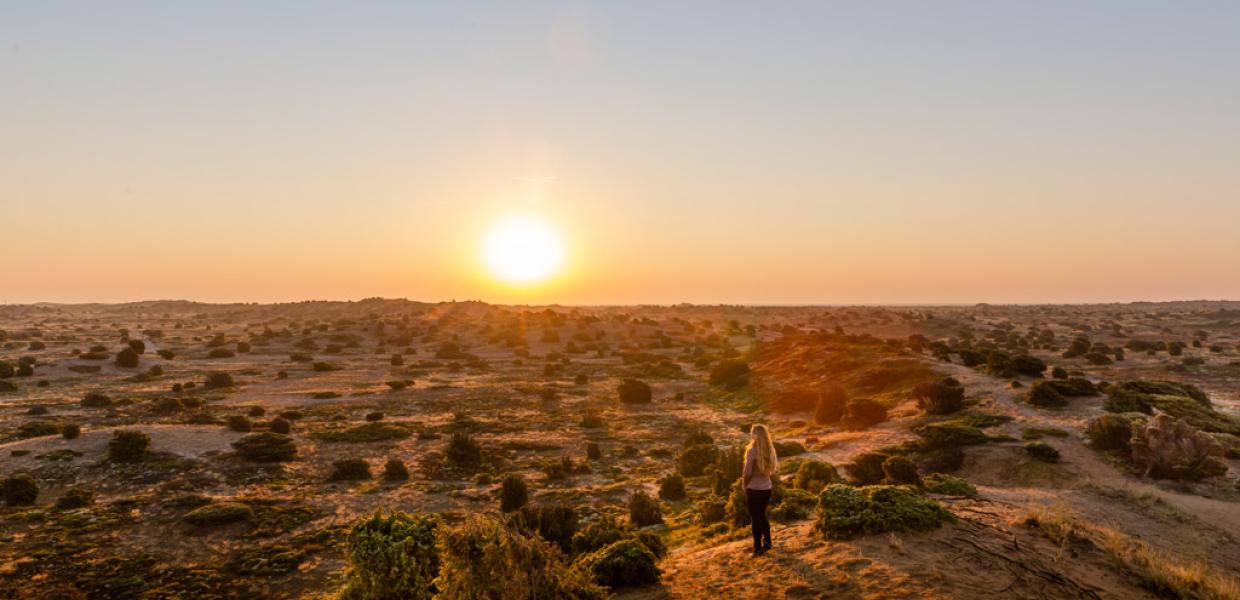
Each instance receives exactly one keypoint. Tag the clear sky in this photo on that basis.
(747, 152)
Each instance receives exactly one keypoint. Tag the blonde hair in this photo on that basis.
(767, 462)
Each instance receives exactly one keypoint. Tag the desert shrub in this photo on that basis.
(374, 431)
(730, 374)
(166, 354)
(623, 563)
(593, 452)
(323, 367)
(256, 411)
(350, 469)
(374, 416)
(515, 567)
(127, 359)
(1169, 448)
(138, 346)
(239, 423)
(393, 557)
(555, 522)
(96, 400)
(218, 380)
(846, 512)
(243, 347)
(644, 510)
(1044, 395)
(794, 505)
(1029, 366)
(1059, 373)
(1097, 358)
(694, 460)
(899, 470)
(280, 425)
(514, 493)
(830, 404)
(397, 360)
(591, 421)
(789, 448)
(1110, 432)
(221, 353)
(398, 385)
(6, 369)
(20, 489)
(7, 386)
(712, 511)
(672, 487)
(602, 532)
(395, 470)
(1042, 451)
(70, 431)
(464, 450)
(633, 391)
(223, 513)
(813, 475)
(866, 468)
(948, 485)
(128, 445)
(1079, 347)
(75, 498)
(947, 434)
(862, 413)
(1074, 386)
(266, 447)
(32, 429)
(940, 397)
(1182, 401)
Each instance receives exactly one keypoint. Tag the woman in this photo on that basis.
(761, 465)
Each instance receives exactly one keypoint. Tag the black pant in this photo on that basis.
(757, 500)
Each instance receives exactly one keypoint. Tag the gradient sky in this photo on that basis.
(789, 152)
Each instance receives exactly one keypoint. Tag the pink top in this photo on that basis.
(758, 481)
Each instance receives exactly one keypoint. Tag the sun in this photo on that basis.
(523, 249)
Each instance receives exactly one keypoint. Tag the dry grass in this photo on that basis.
(1163, 574)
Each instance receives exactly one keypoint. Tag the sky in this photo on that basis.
(705, 152)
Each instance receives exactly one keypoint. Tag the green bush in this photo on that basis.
(1110, 432)
(96, 400)
(224, 513)
(862, 413)
(644, 510)
(940, 397)
(866, 468)
(793, 505)
(75, 498)
(239, 423)
(694, 460)
(1074, 386)
(266, 447)
(221, 353)
(395, 470)
(70, 431)
(482, 559)
(623, 563)
(218, 380)
(20, 489)
(464, 450)
(393, 557)
(1044, 395)
(948, 434)
(948, 485)
(1042, 451)
(128, 445)
(280, 425)
(633, 391)
(712, 511)
(372, 431)
(350, 469)
(813, 475)
(898, 470)
(672, 487)
(33, 429)
(514, 493)
(730, 374)
(789, 448)
(846, 512)
(556, 523)
(127, 359)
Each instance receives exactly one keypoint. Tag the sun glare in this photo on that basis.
(523, 249)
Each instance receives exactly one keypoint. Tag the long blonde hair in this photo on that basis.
(767, 462)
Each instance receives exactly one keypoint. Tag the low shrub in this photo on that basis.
(20, 489)
(75, 498)
(672, 487)
(393, 557)
(644, 510)
(623, 563)
(128, 445)
(1110, 432)
(515, 566)
(633, 391)
(280, 425)
(514, 493)
(218, 380)
(395, 470)
(33, 429)
(239, 423)
(948, 485)
(899, 470)
(373, 431)
(223, 513)
(350, 469)
(96, 400)
(70, 431)
(127, 359)
(1044, 395)
(266, 447)
(463, 450)
(221, 353)
(947, 434)
(1169, 448)
(789, 448)
(694, 460)
(866, 468)
(555, 522)
(829, 407)
(846, 512)
(941, 397)
(730, 374)
(1042, 451)
(813, 475)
